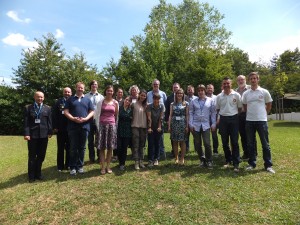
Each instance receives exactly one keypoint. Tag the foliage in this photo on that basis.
(48, 69)
(166, 194)
(11, 108)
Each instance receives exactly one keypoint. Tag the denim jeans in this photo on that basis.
(77, 138)
(229, 128)
(262, 129)
(153, 145)
(198, 136)
(91, 141)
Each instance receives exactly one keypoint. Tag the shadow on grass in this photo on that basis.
(286, 124)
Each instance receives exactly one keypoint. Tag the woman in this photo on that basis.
(155, 115)
(106, 121)
(178, 124)
(124, 131)
(139, 129)
(134, 93)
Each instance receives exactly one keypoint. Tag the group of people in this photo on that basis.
(111, 124)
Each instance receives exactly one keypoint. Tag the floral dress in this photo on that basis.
(178, 121)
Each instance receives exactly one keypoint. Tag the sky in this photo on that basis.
(99, 28)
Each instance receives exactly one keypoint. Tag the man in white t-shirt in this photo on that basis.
(257, 103)
(228, 105)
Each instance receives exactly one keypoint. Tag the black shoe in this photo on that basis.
(31, 180)
(39, 177)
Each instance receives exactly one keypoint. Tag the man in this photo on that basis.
(214, 134)
(189, 98)
(170, 99)
(202, 118)
(79, 110)
(257, 102)
(37, 130)
(60, 123)
(163, 98)
(95, 97)
(228, 105)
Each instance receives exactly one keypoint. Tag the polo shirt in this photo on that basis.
(155, 114)
(228, 104)
(79, 107)
(256, 101)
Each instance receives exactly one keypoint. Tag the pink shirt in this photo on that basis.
(107, 114)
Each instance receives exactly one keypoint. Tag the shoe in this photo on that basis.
(236, 169)
(249, 168)
(215, 154)
(114, 159)
(39, 177)
(227, 165)
(108, 170)
(136, 165)
(209, 165)
(103, 172)
(202, 164)
(141, 164)
(150, 164)
(181, 162)
(155, 162)
(176, 161)
(245, 157)
(270, 170)
(122, 167)
(31, 180)
(59, 171)
(73, 172)
(80, 170)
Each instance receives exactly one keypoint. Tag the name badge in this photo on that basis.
(62, 112)
(37, 121)
(178, 118)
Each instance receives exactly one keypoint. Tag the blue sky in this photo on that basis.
(99, 28)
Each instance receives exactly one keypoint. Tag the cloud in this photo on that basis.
(59, 34)
(14, 15)
(18, 40)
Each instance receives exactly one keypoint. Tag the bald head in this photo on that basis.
(67, 92)
(38, 97)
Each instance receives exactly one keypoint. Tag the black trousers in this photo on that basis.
(36, 155)
(63, 150)
(123, 143)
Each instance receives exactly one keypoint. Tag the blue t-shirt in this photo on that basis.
(79, 107)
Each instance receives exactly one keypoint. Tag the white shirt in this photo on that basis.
(256, 101)
(228, 104)
(95, 98)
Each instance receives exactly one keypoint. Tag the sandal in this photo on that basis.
(109, 171)
(103, 171)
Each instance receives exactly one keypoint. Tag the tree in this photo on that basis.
(47, 68)
(184, 43)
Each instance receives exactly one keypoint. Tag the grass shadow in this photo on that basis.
(286, 124)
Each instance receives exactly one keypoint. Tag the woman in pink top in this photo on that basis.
(106, 120)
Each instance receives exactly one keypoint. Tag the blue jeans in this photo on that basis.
(153, 145)
(262, 129)
(229, 128)
(198, 136)
(77, 138)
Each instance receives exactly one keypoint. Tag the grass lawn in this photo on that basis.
(167, 194)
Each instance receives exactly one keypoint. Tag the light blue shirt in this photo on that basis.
(163, 97)
(202, 113)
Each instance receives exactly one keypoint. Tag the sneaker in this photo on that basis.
(227, 165)
(155, 162)
(142, 164)
(270, 170)
(202, 164)
(80, 170)
(249, 168)
(136, 165)
(209, 165)
(122, 167)
(150, 164)
(236, 169)
(73, 172)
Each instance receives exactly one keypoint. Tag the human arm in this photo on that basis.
(268, 107)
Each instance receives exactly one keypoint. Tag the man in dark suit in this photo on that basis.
(60, 123)
(37, 130)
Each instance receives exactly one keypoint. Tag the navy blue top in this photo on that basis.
(79, 108)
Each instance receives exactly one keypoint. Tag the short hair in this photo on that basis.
(156, 80)
(136, 87)
(201, 87)
(92, 82)
(253, 73)
(156, 96)
(80, 82)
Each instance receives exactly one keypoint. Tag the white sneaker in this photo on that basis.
(155, 162)
(270, 170)
(80, 170)
(150, 164)
(73, 172)
(249, 168)
(142, 164)
(136, 165)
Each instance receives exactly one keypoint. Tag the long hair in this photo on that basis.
(183, 96)
(144, 103)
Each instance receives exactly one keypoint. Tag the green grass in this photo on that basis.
(166, 194)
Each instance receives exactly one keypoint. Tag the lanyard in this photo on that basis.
(37, 110)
